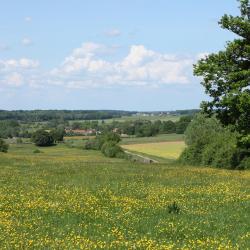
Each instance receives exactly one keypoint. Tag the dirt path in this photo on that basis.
(141, 158)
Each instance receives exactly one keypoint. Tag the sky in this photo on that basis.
(112, 54)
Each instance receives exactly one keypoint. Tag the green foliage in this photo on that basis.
(221, 151)
(58, 134)
(201, 130)
(226, 75)
(111, 149)
(3, 146)
(182, 124)
(108, 144)
(210, 144)
(244, 164)
(191, 155)
(168, 127)
(42, 138)
(37, 151)
(9, 129)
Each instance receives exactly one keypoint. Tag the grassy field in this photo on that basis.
(169, 150)
(158, 138)
(67, 198)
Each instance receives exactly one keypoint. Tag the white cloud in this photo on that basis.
(14, 64)
(90, 65)
(85, 67)
(113, 33)
(26, 41)
(16, 72)
(28, 63)
(14, 79)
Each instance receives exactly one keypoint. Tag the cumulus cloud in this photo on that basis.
(15, 73)
(92, 65)
(113, 32)
(14, 79)
(26, 41)
(84, 67)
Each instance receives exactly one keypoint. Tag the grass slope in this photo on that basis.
(67, 198)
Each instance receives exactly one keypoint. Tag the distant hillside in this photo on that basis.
(48, 115)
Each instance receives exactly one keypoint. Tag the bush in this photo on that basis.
(3, 146)
(108, 144)
(191, 155)
(111, 149)
(210, 144)
(58, 134)
(37, 151)
(244, 164)
(42, 138)
(98, 142)
(221, 151)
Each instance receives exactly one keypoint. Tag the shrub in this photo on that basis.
(58, 134)
(244, 164)
(202, 130)
(210, 144)
(42, 138)
(221, 151)
(3, 146)
(98, 142)
(191, 155)
(108, 144)
(111, 149)
(37, 151)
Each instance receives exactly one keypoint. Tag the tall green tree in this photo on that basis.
(226, 75)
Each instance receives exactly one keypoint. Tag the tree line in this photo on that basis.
(63, 115)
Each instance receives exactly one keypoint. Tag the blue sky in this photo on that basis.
(129, 55)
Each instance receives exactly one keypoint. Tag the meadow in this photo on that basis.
(69, 198)
(168, 150)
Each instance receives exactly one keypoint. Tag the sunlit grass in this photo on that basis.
(67, 198)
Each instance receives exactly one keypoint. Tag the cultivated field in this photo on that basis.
(169, 150)
(157, 138)
(67, 198)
